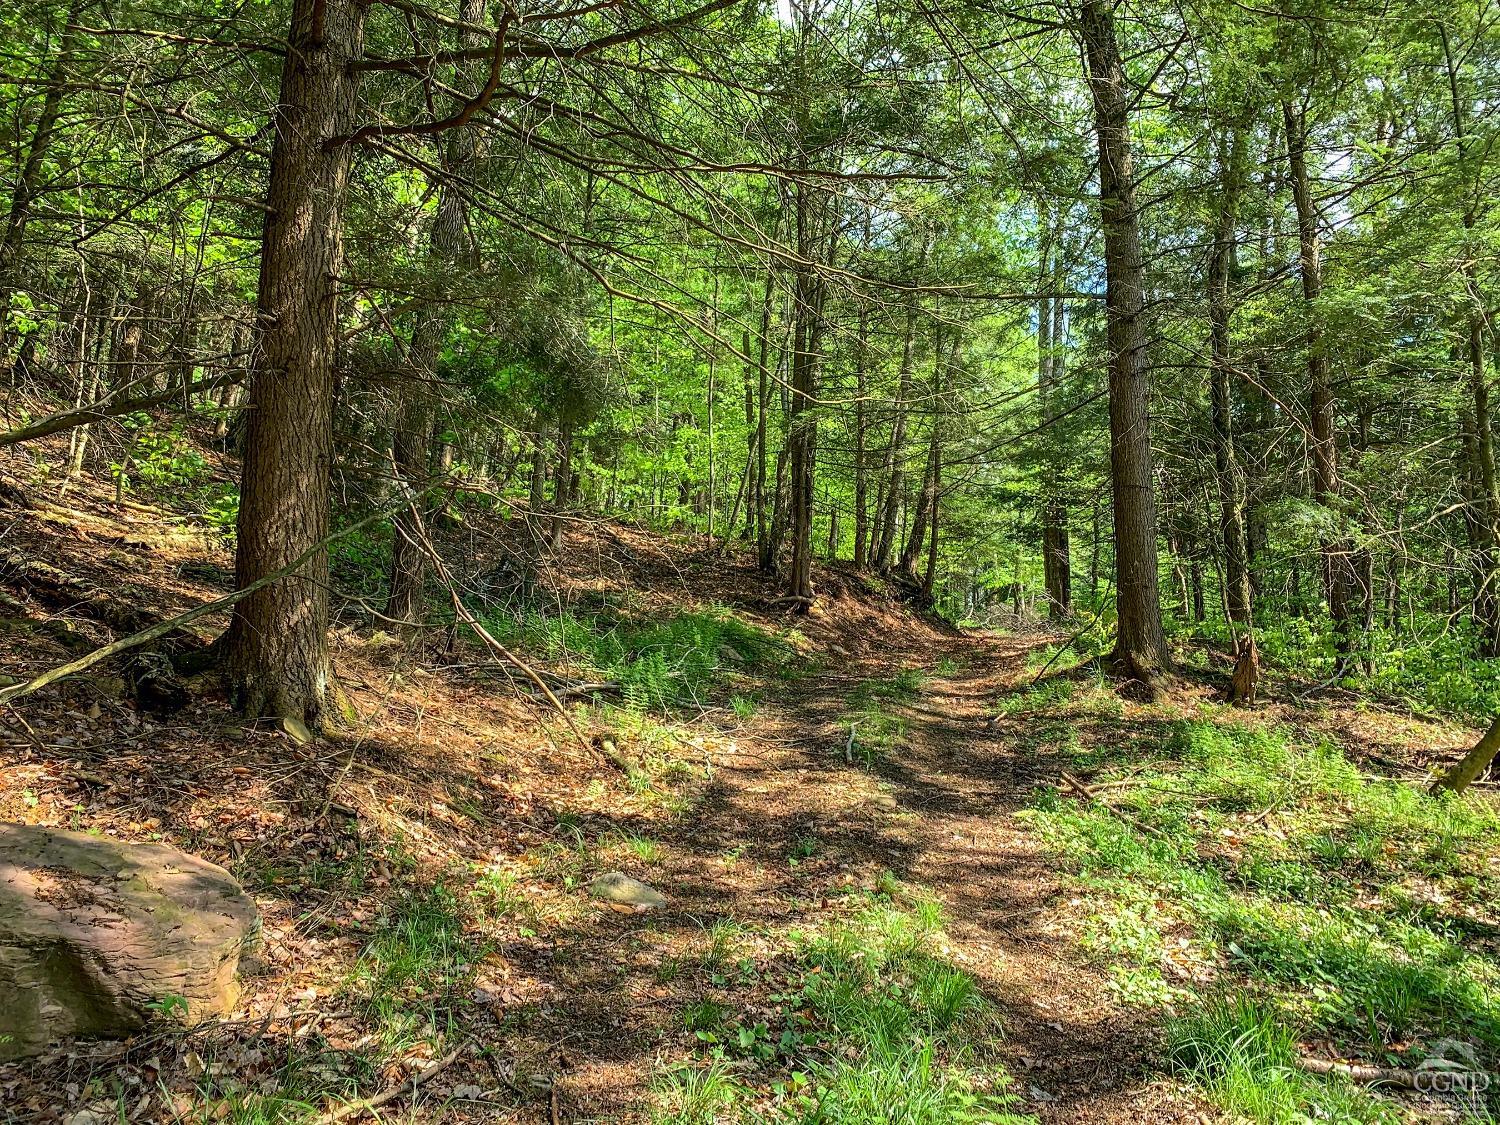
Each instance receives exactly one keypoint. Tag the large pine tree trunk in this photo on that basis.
(277, 646)
(1337, 569)
(1140, 644)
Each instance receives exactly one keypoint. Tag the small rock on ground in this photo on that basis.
(617, 887)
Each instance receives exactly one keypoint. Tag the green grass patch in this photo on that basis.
(1352, 910)
(1244, 1055)
(660, 664)
(416, 967)
(408, 984)
(1430, 664)
(870, 1025)
(878, 729)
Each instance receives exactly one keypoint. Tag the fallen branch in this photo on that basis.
(1361, 1074)
(171, 624)
(607, 687)
(1076, 786)
(105, 408)
(1463, 772)
(366, 1105)
(463, 613)
(1074, 639)
(62, 590)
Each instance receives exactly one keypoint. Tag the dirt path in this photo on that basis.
(786, 821)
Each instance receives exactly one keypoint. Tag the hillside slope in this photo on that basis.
(880, 903)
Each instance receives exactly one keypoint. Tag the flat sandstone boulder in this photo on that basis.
(95, 934)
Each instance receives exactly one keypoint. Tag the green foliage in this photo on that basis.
(415, 967)
(169, 1007)
(677, 661)
(166, 463)
(707, 1094)
(1433, 664)
(361, 561)
(877, 727)
(874, 1027)
(162, 459)
(1342, 902)
(1244, 1055)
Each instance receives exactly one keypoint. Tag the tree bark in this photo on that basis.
(1140, 645)
(802, 425)
(929, 579)
(448, 249)
(1474, 763)
(537, 494)
(1057, 568)
(28, 180)
(764, 553)
(922, 519)
(1485, 501)
(861, 481)
(277, 645)
(1485, 498)
(1337, 576)
(1226, 461)
(891, 471)
(562, 485)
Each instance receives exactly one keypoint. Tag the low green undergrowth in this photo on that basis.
(417, 966)
(871, 1025)
(659, 664)
(164, 463)
(1246, 861)
(404, 995)
(1244, 1055)
(1429, 663)
(877, 728)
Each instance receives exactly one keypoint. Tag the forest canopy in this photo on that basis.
(1167, 319)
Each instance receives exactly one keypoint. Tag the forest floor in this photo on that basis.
(882, 902)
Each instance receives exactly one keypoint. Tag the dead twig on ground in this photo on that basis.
(1360, 1073)
(1076, 786)
(424, 543)
(367, 1105)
